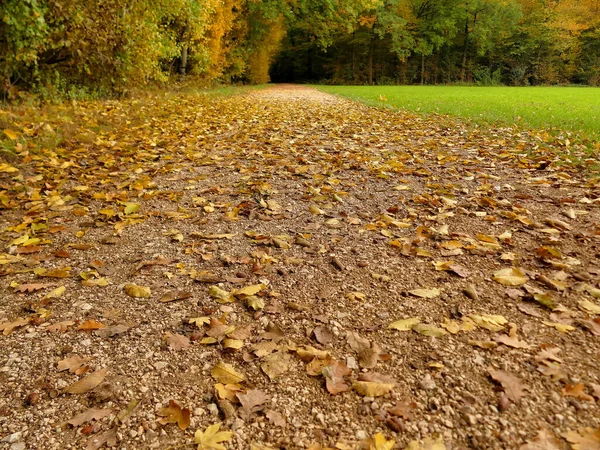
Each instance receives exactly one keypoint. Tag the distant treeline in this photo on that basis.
(79, 47)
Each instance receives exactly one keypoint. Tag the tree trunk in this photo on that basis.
(184, 60)
(465, 51)
(422, 69)
(370, 64)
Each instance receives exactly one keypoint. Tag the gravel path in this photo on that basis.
(357, 278)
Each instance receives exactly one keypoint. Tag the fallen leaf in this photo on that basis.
(108, 437)
(589, 307)
(172, 296)
(72, 364)
(32, 287)
(227, 374)
(334, 374)
(9, 327)
(429, 443)
(89, 415)
(276, 364)
(61, 327)
(252, 402)
(544, 440)
(276, 418)
(88, 383)
(90, 325)
(379, 442)
(577, 391)
(177, 341)
(403, 409)
(562, 327)
(323, 334)
(372, 388)
(584, 439)
(174, 414)
(512, 385)
(135, 291)
(425, 293)
(211, 438)
(511, 276)
(249, 290)
(404, 324)
(428, 330)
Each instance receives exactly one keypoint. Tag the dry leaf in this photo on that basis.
(135, 291)
(584, 439)
(276, 418)
(252, 401)
(334, 374)
(249, 290)
(108, 437)
(379, 442)
(174, 414)
(88, 383)
(577, 391)
(89, 415)
(511, 276)
(425, 293)
(211, 438)
(545, 440)
(276, 364)
(61, 327)
(89, 325)
(72, 364)
(177, 341)
(226, 374)
(8, 327)
(404, 324)
(372, 388)
(512, 385)
(172, 296)
(428, 330)
(428, 443)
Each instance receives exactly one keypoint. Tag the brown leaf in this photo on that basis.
(276, 364)
(252, 402)
(89, 415)
(584, 439)
(577, 391)
(403, 409)
(174, 414)
(276, 418)
(172, 296)
(323, 334)
(545, 440)
(513, 387)
(8, 327)
(90, 325)
(108, 437)
(177, 341)
(88, 383)
(368, 357)
(61, 327)
(72, 364)
(32, 287)
(334, 374)
(112, 331)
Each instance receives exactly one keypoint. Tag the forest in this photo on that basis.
(97, 47)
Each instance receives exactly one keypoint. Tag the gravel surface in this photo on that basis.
(343, 219)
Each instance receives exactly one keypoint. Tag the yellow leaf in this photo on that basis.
(135, 291)
(220, 295)
(511, 276)
(489, 321)
(372, 388)
(255, 302)
(11, 134)
(404, 324)
(428, 330)
(234, 344)
(88, 383)
(379, 442)
(199, 321)
(56, 292)
(226, 374)
(211, 438)
(249, 290)
(7, 168)
(425, 293)
(589, 307)
(428, 444)
(563, 328)
(130, 207)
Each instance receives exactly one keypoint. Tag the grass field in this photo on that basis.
(572, 109)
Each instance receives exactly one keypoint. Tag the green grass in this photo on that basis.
(574, 110)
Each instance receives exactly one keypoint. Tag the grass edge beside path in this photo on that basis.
(550, 113)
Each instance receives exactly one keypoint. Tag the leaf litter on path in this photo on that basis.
(293, 247)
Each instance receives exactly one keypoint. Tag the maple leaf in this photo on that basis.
(174, 414)
(211, 438)
(578, 391)
(227, 374)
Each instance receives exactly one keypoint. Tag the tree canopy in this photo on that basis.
(74, 46)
